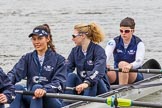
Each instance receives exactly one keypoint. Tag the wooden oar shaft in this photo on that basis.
(121, 102)
(149, 71)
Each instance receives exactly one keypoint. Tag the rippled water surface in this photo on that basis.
(19, 17)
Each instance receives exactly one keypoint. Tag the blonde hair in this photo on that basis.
(93, 31)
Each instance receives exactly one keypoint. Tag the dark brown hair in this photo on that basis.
(47, 29)
(128, 22)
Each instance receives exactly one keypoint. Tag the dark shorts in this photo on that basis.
(139, 78)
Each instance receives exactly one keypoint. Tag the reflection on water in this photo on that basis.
(19, 17)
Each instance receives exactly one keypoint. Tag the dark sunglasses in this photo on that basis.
(125, 31)
(75, 35)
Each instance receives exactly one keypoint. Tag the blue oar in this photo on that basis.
(111, 101)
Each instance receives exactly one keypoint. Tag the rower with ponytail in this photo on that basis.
(45, 71)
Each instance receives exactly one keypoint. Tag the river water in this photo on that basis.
(19, 17)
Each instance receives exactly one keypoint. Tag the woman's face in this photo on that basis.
(77, 38)
(126, 33)
(40, 43)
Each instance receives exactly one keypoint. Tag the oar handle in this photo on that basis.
(24, 92)
(151, 71)
(120, 70)
(67, 96)
(70, 88)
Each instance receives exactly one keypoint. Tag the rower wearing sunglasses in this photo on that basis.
(89, 60)
(128, 51)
